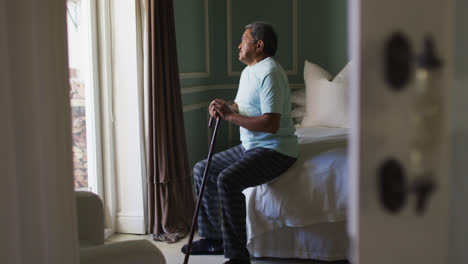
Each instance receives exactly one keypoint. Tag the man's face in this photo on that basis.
(247, 48)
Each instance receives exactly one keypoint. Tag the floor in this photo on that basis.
(173, 254)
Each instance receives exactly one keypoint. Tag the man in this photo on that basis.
(269, 147)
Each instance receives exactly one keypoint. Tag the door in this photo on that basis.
(401, 80)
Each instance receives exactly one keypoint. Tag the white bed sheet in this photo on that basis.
(313, 191)
(323, 241)
(323, 134)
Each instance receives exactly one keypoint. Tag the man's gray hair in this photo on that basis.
(265, 32)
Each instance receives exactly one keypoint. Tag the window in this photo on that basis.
(83, 95)
(106, 99)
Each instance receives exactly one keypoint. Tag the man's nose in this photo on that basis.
(240, 46)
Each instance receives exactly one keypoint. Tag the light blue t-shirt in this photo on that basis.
(264, 88)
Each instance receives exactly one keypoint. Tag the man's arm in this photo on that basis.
(235, 108)
(268, 123)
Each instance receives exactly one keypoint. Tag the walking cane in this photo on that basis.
(205, 178)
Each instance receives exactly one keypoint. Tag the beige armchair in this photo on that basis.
(91, 235)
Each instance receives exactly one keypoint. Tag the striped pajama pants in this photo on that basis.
(222, 211)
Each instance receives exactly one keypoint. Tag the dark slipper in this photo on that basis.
(237, 261)
(205, 246)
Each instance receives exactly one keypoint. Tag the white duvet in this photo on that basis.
(313, 190)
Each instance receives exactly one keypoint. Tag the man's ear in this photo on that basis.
(259, 46)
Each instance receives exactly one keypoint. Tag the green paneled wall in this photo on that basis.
(191, 35)
(308, 29)
(279, 13)
(323, 34)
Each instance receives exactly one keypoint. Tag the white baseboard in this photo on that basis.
(130, 224)
(108, 232)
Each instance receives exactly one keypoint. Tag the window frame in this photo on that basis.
(104, 60)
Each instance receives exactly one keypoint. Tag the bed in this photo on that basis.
(302, 213)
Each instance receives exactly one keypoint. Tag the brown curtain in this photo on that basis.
(169, 186)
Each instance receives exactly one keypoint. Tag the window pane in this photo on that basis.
(79, 68)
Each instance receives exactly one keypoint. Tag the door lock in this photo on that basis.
(394, 187)
(425, 124)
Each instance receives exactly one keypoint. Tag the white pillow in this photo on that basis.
(327, 101)
(343, 76)
(298, 97)
(313, 72)
(298, 112)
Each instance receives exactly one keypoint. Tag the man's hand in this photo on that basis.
(212, 110)
(269, 122)
(221, 108)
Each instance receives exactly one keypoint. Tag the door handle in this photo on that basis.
(426, 124)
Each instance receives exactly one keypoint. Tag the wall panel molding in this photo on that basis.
(207, 72)
(294, 86)
(192, 107)
(228, 86)
(204, 88)
(294, 29)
